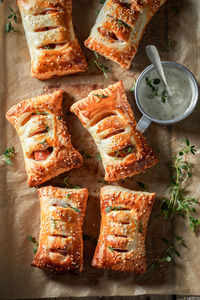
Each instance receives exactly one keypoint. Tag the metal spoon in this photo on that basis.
(154, 57)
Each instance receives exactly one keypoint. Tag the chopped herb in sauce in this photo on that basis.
(154, 85)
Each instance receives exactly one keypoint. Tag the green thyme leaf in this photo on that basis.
(35, 243)
(164, 96)
(110, 248)
(38, 112)
(47, 128)
(167, 47)
(43, 142)
(76, 187)
(97, 12)
(108, 208)
(70, 206)
(65, 181)
(48, 47)
(142, 185)
(100, 96)
(168, 258)
(86, 237)
(139, 226)
(85, 155)
(156, 81)
(99, 157)
(102, 181)
(8, 155)
(122, 23)
(113, 208)
(102, 1)
(175, 10)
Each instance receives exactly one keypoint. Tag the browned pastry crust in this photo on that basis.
(107, 115)
(121, 244)
(119, 28)
(61, 244)
(45, 140)
(52, 43)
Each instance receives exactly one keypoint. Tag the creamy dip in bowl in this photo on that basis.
(153, 100)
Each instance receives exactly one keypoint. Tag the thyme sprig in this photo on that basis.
(142, 185)
(69, 185)
(169, 252)
(9, 27)
(178, 203)
(122, 24)
(85, 155)
(138, 226)
(102, 67)
(114, 208)
(35, 243)
(8, 155)
(70, 206)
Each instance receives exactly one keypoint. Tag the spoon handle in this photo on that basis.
(154, 57)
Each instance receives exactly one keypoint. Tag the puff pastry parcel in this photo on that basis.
(53, 46)
(107, 115)
(119, 28)
(61, 243)
(121, 244)
(45, 140)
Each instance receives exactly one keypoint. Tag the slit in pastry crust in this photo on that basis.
(121, 244)
(123, 149)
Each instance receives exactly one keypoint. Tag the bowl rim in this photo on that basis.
(194, 100)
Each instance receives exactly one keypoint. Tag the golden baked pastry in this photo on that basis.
(121, 244)
(53, 46)
(45, 140)
(119, 28)
(61, 242)
(107, 115)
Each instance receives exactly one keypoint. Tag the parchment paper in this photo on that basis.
(19, 208)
